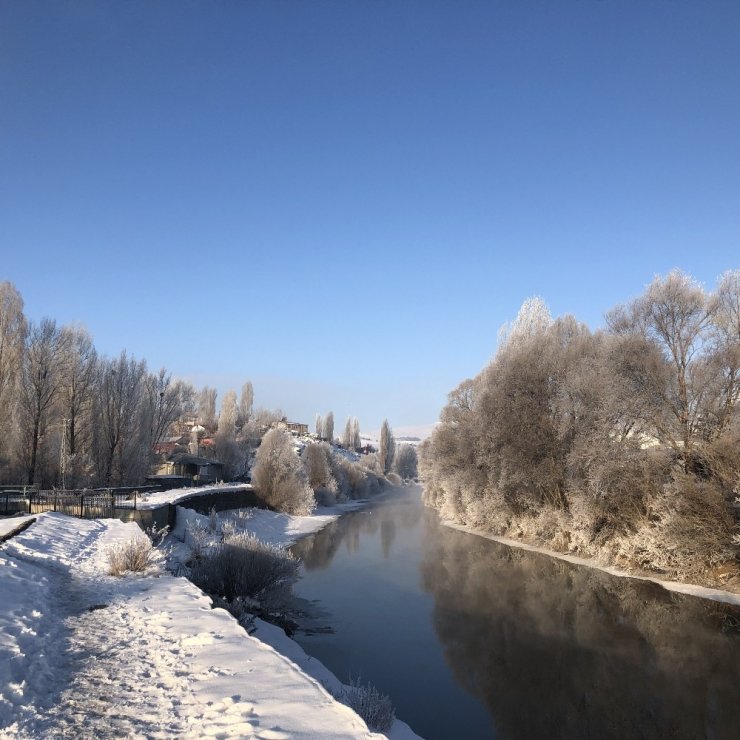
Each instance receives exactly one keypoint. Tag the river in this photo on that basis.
(474, 639)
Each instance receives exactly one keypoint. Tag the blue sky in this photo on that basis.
(343, 201)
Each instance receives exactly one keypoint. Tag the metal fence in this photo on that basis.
(87, 504)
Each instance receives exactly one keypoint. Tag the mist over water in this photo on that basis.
(474, 639)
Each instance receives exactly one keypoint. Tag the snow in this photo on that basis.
(84, 654)
(155, 499)
(703, 592)
(12, 523)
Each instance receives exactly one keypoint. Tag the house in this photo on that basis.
(197, 469)
(294, 427)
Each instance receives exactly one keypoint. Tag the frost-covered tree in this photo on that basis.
(356, 441)
(207, 407)
(674, 314)
(347, 434)
(78, 387)
(12, 337)
(166, 400)
(533, 319)
(228, 416)
(621, 443)
(122, 447)
(279, 476)
(405, 463)
(317, 461)
(41, 378)
(328, 434)
(319, 426)
(387, 447)
(246, 404)
(231, 452)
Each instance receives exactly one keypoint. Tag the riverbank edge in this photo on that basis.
(293, 651)
(689, 589)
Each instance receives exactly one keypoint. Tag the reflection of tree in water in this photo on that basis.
(318, 550)
(560, 651)
(387, 535)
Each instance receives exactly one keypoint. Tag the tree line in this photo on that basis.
(620, 444)
(70, 417)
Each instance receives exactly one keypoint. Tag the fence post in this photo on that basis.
(82, 506)
(135, 493)
(30, 495)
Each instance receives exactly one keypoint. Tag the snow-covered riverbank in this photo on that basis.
(703, 592)
(85, 654)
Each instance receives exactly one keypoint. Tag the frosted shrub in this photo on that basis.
(279, 477)
(243, 566)
(197, 538)
(690, 529)
(375, 708)
(133, 556)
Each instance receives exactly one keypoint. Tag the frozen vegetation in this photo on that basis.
(618, 445)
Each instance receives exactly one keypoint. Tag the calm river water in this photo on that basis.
(473, 639)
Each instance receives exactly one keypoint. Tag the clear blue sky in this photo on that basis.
(343, 201)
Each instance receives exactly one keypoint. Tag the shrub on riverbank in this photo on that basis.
(375, 708)
(134, 556)
(279, 475)
(242, 566)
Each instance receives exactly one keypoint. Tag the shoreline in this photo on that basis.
(274, 635)
(688, 589)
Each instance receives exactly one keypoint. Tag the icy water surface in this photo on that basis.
(473, 639)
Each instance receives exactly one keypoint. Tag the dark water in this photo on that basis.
(473, 639)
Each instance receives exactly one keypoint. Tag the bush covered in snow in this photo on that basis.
(375, 708)
(279, 476)
(133, 556)
(242, 566)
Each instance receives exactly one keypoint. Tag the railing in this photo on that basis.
(14, 499)
(87, 504)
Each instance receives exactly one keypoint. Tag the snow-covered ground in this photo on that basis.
(155, 499)
(281, 530)
(715, 594)
(87, 655)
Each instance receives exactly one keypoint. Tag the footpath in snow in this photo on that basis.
(87, 655)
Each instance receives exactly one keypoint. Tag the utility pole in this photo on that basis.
(63, 454)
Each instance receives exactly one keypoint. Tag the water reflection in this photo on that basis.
(561, 651)
(548, 649)
(319, 550)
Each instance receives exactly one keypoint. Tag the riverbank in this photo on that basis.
(283, 530)
(86, 653)
(704, 592)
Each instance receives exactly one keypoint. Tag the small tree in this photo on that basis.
(406, 462)
(387, 447)
(329, 427)
(207, 407)
(246, 404)
(279, 476)
(356, 442)
(347, 434)
(228, 416)
(317, 461)
(319, 426)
